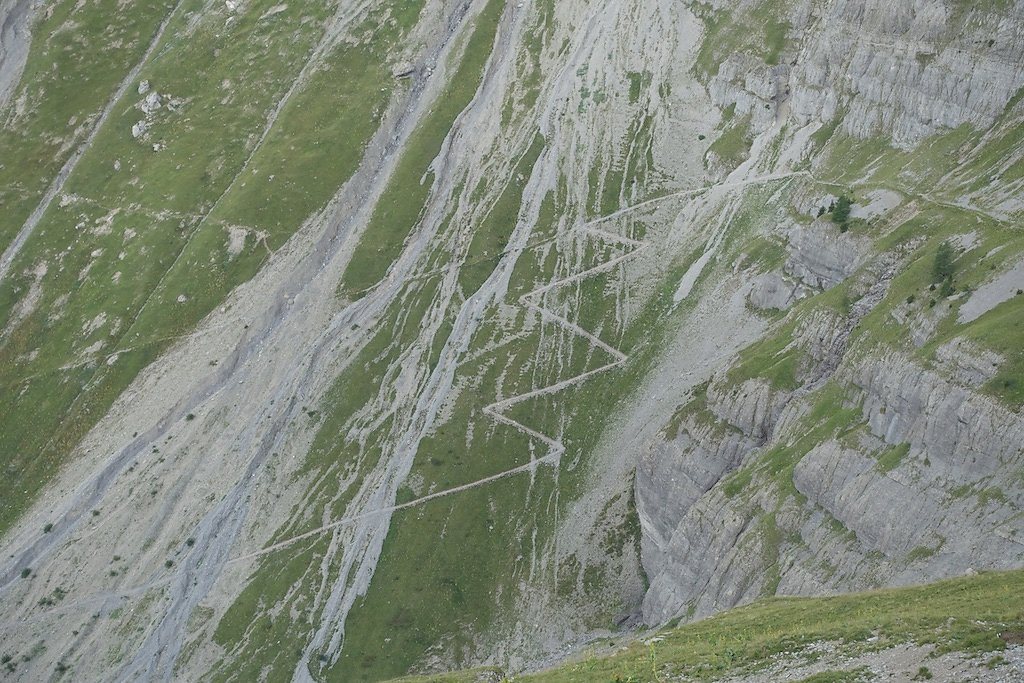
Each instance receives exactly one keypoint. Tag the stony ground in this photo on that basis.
(900, 664)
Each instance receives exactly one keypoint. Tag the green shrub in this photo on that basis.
(841, 212)
(943, 266)
(921, 552)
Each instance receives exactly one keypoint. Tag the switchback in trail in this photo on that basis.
(533, 300)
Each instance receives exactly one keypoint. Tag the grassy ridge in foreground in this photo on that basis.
(964, 614)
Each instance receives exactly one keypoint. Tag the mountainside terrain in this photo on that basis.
(350, 340)
(965, 629)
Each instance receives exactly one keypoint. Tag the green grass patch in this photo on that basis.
(733, 145)
(760, 31)
(1001, 330)
(400, 207)
(491, 237)
(774, 359)
(892, 457)
(637, 82)
(737, 482)
(766, 253)
(135, 259)
(960, 615)
(921, 552)
(774, 40)
(78, 58)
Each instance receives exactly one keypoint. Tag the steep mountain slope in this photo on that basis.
(874, 436)
(343, 340)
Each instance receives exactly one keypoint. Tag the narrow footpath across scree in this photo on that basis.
(531, 300)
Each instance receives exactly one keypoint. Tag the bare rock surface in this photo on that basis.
(916, 68)
(820, 256)
(899, 664)
(15, 19)
(1008, 284)
(774, 290)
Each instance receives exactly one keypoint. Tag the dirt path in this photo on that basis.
(496, 409)
(533, 301)
(532, 465)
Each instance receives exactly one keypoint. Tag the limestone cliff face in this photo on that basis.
(911, 69)
(667, 489)
(872, 468)
(864, 446)
(904, 69)
(949, 503)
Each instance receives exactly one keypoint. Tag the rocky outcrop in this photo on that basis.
(950, 457)
(873, 471)
(966, 363)
(818, 257)
(15, 18)
(821, 257)
(966, 436)
(924, 485)
(688, 527)
(676, 473)
(706, 563)
(775, 291)
(908, 70)
(901, 70)
(755, 89)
